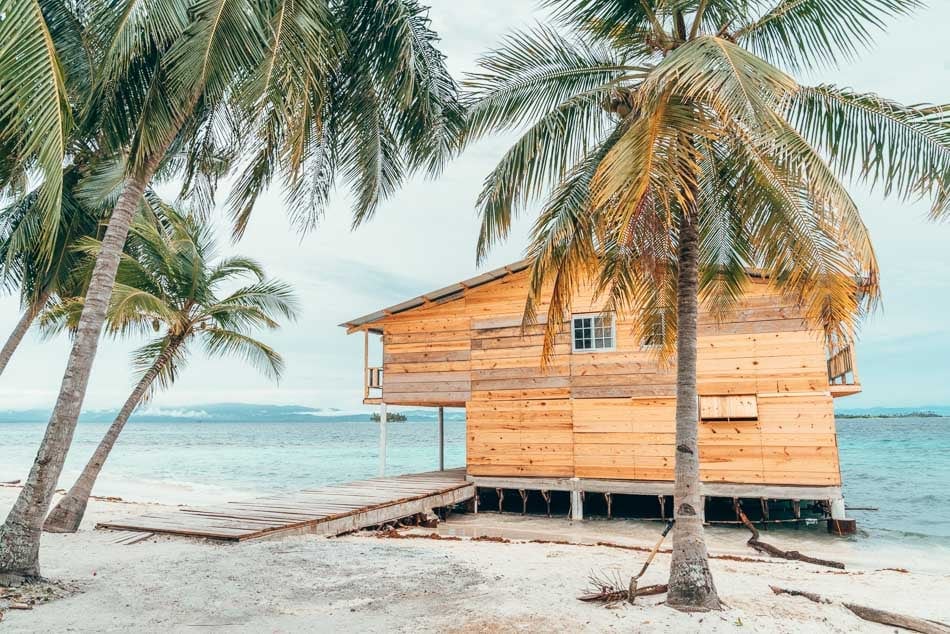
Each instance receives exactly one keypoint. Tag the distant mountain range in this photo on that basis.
(247, 412)
(229, 412)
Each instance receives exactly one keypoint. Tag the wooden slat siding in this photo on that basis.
(610, 414)
(426, 356)
(520, 435)
(793, 442)
(517, 399)
(598, 455)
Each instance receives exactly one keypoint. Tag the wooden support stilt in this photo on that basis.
(609, 502)
(524, 501)
(382, 438)
(547, 500)
(797, 512)
(501, 498)
(765, 512)
(577, 505)
(662, 499)
(441, 439)
(365, 364)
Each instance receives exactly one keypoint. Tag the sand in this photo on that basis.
(370, 584)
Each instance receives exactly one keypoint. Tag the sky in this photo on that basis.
(423, 238)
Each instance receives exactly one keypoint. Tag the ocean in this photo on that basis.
(899, 465)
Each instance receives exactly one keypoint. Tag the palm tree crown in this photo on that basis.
(635, 111)
(168, 283)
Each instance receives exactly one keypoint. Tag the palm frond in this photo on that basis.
(904, 150)
(711, 70)
(153, 357)
(221, 342)
(60, 315)
(235, 267)
(534, 73)
(271, 299)
(35, 113)
(804, 34)
(136, 311)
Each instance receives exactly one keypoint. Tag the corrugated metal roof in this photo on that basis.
(449, 293)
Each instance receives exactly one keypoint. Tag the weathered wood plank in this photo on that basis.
(327, 510)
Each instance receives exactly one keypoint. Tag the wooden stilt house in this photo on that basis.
(600, 417)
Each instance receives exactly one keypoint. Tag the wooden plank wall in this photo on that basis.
(610, 414)
(518, 421)
(426, 356)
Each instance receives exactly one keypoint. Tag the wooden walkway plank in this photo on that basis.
(328, 510)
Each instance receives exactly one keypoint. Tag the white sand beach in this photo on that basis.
(371, 584)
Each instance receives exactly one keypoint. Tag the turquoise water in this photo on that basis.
(901, 466)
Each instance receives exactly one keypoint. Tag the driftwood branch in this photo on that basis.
(606, 591)
(893, 619)
(769, 549)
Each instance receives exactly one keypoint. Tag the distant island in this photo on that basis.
(391, 417)
(235, 413)
(926, 414)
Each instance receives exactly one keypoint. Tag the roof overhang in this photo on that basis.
(442, 295)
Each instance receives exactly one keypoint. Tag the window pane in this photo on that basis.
(593, 332)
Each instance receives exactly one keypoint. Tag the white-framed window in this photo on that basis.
(593, 332)
(655, 336)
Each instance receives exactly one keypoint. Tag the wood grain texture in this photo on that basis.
(610, 414)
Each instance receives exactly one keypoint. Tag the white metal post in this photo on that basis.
(382, 439)
(441, 439)
(837, 509)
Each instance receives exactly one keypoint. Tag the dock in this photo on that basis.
(329, 510)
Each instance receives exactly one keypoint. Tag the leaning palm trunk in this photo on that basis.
(691, 584)
(26, 320)
(67, 515)
(20, 533)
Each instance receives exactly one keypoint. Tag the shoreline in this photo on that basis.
(455, 583)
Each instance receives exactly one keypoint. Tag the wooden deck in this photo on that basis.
(329, 510)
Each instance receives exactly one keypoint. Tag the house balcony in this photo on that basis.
(842, 372)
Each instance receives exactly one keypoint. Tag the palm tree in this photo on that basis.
(40, 275)
(25, 267)
(167, 282)
(676, 152)
(320, 89)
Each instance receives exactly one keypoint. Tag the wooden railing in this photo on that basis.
(374, 378)
(841, 370)
(372, 375)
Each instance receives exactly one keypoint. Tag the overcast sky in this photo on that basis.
(424, 239)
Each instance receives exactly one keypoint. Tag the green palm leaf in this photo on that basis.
(35, 113)
(804, 34)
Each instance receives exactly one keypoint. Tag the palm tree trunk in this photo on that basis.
(26, 320)
(68, 514)
(20, 533)
(691, 584)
